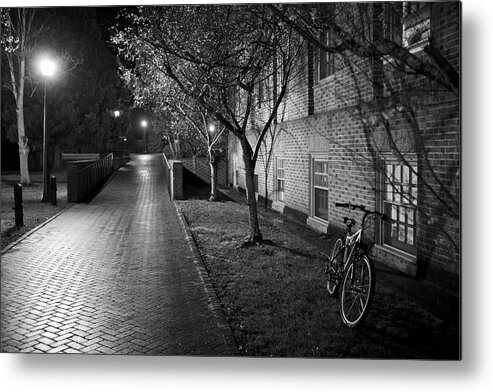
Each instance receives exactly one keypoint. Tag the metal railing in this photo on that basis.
(91, 176)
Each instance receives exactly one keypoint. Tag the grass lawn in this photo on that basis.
(275, 300)
(35, 212)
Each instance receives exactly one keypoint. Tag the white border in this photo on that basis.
(474, 373)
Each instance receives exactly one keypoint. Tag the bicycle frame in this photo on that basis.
(349, 246)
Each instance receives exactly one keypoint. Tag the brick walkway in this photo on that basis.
(115, 276)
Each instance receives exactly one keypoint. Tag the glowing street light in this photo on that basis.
(47, 70)
(144, 125)
(116, 113)
(47, 67)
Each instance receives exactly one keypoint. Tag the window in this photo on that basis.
(416, 23)
(321, 188)
(392, 22)
(280, 179)
(406, 24)
(326, 59)
(399, 202)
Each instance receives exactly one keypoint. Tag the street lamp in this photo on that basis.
(144, 125)
(124, 146)
(47, 70)
(116, 114)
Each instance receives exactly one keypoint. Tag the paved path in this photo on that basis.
(115, 276)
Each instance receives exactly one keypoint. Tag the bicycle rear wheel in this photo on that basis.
(358, 287)
(333, 268)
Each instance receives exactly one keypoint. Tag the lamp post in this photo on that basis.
(144, 125)
(116, 114)
(124, 146)
(47, 70)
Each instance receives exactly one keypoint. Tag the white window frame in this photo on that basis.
(280, 197)
(400, 208)
(416, 22)
(324, 159)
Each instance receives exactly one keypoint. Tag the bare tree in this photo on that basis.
(216, 56)
(20, 29)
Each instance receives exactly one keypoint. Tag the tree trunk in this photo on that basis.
(213, 165)
(21, 132)
(23, 162)
(266, 199)
(254, 227)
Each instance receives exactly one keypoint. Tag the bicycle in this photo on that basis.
(350, 268)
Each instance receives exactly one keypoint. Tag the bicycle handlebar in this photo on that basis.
(362, 208)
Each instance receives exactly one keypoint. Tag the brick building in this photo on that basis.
(367, 131)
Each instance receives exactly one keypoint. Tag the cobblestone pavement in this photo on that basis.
(115, 276)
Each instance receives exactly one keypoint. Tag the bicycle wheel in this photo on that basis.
(335, 263)
(358, 287)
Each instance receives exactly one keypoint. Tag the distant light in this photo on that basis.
(47, 67)
(144, 123)
(212, 128)
(124, 139)
(117, 113)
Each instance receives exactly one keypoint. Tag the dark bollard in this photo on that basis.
(53, 190)
(18, 206)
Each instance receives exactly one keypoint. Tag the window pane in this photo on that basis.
(402, 214)
(410, 236)
(390, 172)
(405, 195)
(414, 195)
(402, 233)
(397, 194)
(394, 212)
(388, 193)
(405, 175)
(410, 216)
(280, 190)
(321, 203)
(414, 177)
(397, 174)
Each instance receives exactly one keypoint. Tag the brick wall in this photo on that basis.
(354, 134)
(176, 179)
(201, 168)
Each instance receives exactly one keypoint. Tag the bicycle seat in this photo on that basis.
(349, 221)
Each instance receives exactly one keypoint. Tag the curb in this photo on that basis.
(16, 242)
(214, 304)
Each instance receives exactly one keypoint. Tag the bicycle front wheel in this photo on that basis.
(358, 287)
(334, 266)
